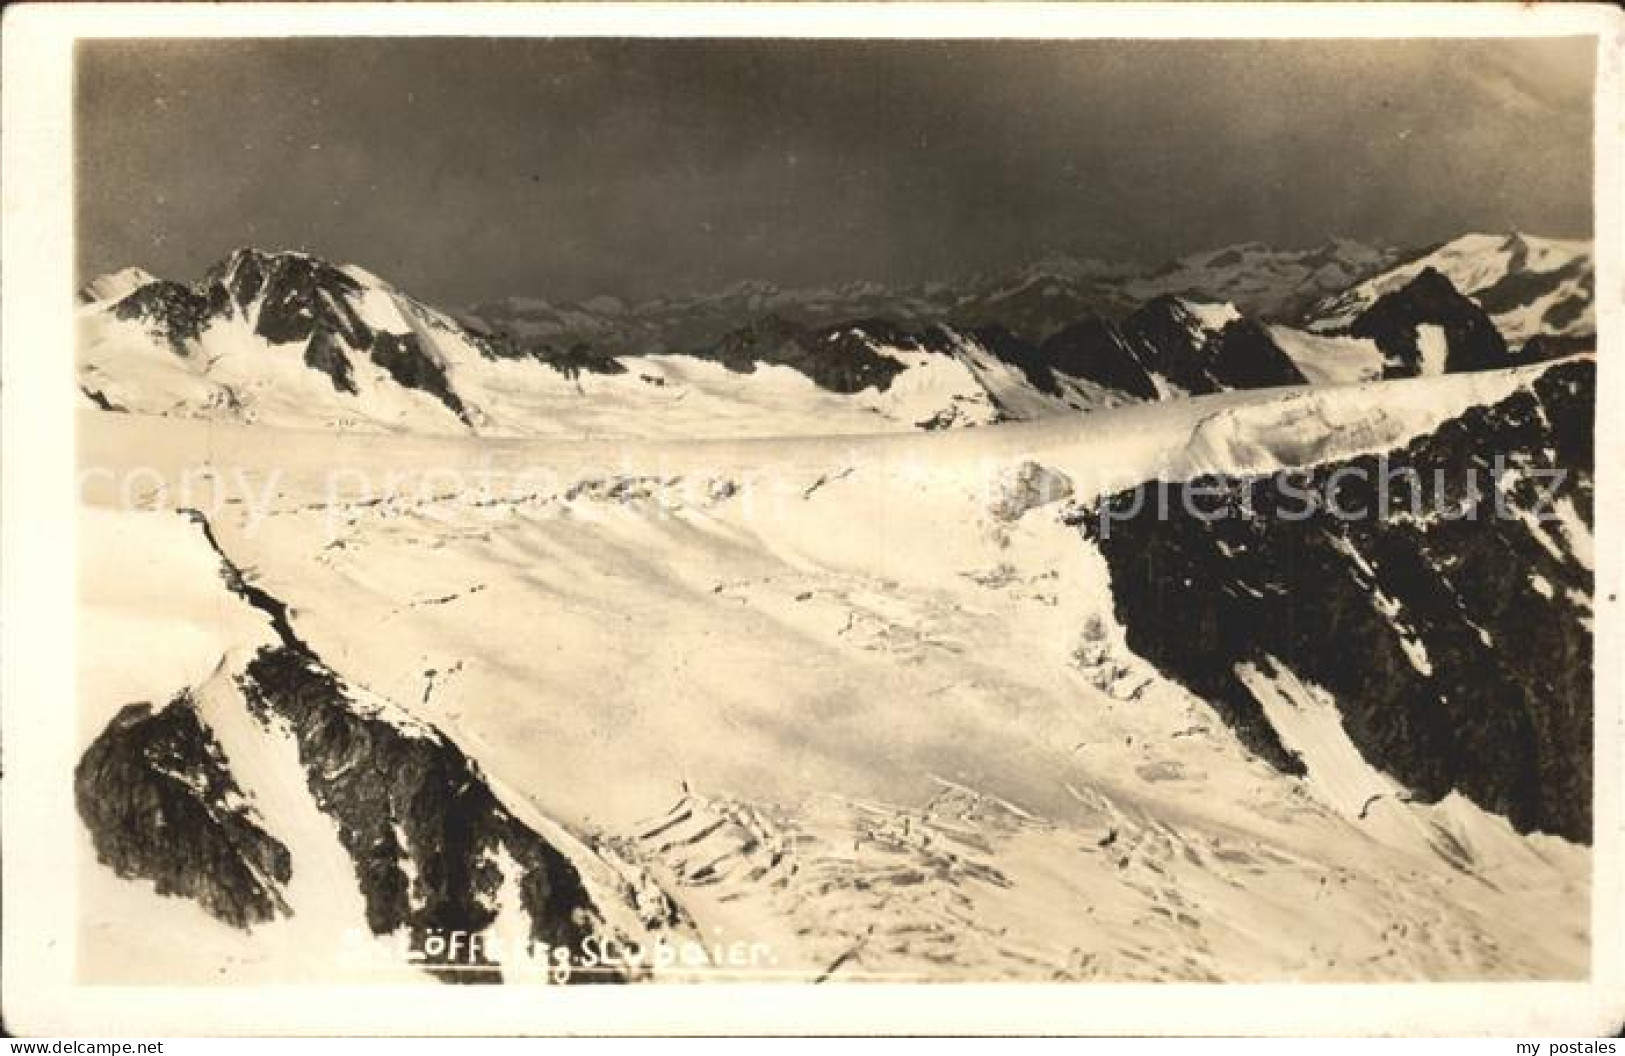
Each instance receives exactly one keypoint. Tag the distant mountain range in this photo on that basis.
(1531, 287)
(1034, 301)
(285, 338)
(902, 724)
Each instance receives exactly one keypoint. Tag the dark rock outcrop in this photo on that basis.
(297, 296)
(1450, 619)
(158, 798)
(403, 359)
(1163, 338)
(1006, 346)
(579, 359)
(1172, 342)
(419, 821)
(1566, 312)
(101, 400)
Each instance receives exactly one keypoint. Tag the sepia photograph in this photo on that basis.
(869, 508)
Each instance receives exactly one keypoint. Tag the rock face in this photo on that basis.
(574, 361)
(325, 354)
(1063, 337)
(433, 847)
(1024, 487)
(1395, 322)
(1168, 346)
(1168, 341)
(1451, 620)
(161, 805)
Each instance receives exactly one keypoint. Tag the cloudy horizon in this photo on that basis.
(468, 169)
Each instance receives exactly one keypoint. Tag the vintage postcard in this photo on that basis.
(859, 518)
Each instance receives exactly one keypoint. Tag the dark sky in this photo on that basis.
(465, 169)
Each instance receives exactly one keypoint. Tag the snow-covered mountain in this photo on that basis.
(288, 340)
(1530, 287)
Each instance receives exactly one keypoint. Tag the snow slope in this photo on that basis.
(842, 697)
